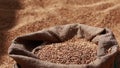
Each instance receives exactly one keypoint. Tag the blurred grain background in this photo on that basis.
(18, 17)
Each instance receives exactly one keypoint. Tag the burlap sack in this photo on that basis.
(22, 47)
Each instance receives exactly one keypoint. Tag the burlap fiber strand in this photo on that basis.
(22, 46)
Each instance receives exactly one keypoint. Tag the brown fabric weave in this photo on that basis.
(22, 47)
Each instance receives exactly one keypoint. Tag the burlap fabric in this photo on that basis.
(21, 49)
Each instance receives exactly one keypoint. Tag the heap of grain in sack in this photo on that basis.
(73, 51)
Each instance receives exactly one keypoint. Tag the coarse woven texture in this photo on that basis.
(22, 47)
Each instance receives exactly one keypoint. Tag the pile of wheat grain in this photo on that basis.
(74, 51)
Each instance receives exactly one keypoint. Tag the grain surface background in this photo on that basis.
(18, 17)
